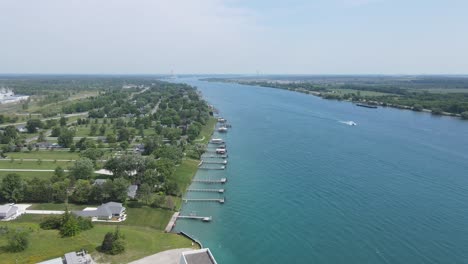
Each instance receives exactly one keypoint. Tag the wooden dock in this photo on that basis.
(209, 168)
(206, 190)
(203, 218)
(222, 181)
(172, 222)
(221, 201)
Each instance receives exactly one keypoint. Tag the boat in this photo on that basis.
(367, 105)
(206, 219)
(217, 141)
(222, 129)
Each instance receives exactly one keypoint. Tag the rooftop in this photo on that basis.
(200, 256)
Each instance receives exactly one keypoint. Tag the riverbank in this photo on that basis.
(418, 100)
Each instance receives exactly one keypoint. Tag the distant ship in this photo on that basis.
(366, 105)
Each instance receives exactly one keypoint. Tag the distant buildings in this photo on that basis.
(200, 256)
(8, 96)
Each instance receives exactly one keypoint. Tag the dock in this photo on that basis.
(208, 168)
(172, 222)
(206, 190)
(214, 161)
(221, 201)
(222, 181)
(215, 156)
(203, 218)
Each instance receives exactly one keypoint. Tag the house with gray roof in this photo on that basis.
(80, 257)
(108, 212)
(8, 212)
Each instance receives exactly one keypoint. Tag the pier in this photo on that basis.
(222, 181)
(206, 190)
(215, 156)
(214, 162)
(208, 168)
(221, 201)
(203, 218)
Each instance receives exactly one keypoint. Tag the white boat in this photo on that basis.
(217, 141)
(222, 129)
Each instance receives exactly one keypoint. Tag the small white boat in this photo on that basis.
(222, 129)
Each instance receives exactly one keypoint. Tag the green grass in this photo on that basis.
(207, 130)
(57, 206)
(44, 154)
(185, 172)
(47, 244)
(143, 232)
(44, 165)
(27, 175)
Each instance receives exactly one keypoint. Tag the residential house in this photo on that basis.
(108, 212)
(8, 212)
(200, 256)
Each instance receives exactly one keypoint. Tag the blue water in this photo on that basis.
(305, 188)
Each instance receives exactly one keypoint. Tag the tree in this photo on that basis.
(55, 132)
(169, 152)
(63, 121)
(119, 192)
(12, 188)
(113, 243)
(69, 226)
(82, 191)
(41, 137)
(30, 147)
(102, 130)
(82, 169)
(93, 129)
(65, 138)
(145, 193)
(92, 154)
(159, 200)
(18, 240)
(33, 124)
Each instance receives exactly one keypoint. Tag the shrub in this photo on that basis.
(18, 240)
(113, 243)
(51, 222)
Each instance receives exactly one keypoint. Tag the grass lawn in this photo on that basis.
(27, 175)
(44, 165)
(44, 154)
(185, 172)
(47, 244)
(56, 206)
(207, 130)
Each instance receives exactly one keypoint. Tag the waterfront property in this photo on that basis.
(108, 212)
(200, 256)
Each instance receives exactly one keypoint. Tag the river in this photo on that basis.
(306, 187)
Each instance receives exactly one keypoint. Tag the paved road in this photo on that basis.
(166, 257)
(44, 212)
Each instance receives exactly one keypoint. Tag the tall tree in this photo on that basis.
(12, 188)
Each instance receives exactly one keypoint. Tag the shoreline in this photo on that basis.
(324, 96)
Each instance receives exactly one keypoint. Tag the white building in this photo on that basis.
(8, 96)
(200, 256)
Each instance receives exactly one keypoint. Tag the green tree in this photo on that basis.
(69, 225)
(65, 138)
(92, 153)
(119, 192)
(63, 121)
(81, 192)
(145, 193)
(113, 243)
(33, 124)
(82, 169)
(41, 137)
(12, 188)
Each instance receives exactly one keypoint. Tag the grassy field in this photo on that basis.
(56, 206)
(185, 172)
(207, 130)
(44, 154)
(44, 165)
(26, 175)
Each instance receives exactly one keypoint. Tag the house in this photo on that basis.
(8, 212)
(132, 191)
(200, 256)
(108, 212)
(80, 257)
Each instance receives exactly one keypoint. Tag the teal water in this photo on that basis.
(305, 188)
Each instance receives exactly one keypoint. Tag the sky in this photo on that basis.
(234, 36)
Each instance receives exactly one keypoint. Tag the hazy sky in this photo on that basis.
(234, 36)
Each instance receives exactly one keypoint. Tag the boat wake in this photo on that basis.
(349, 123)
